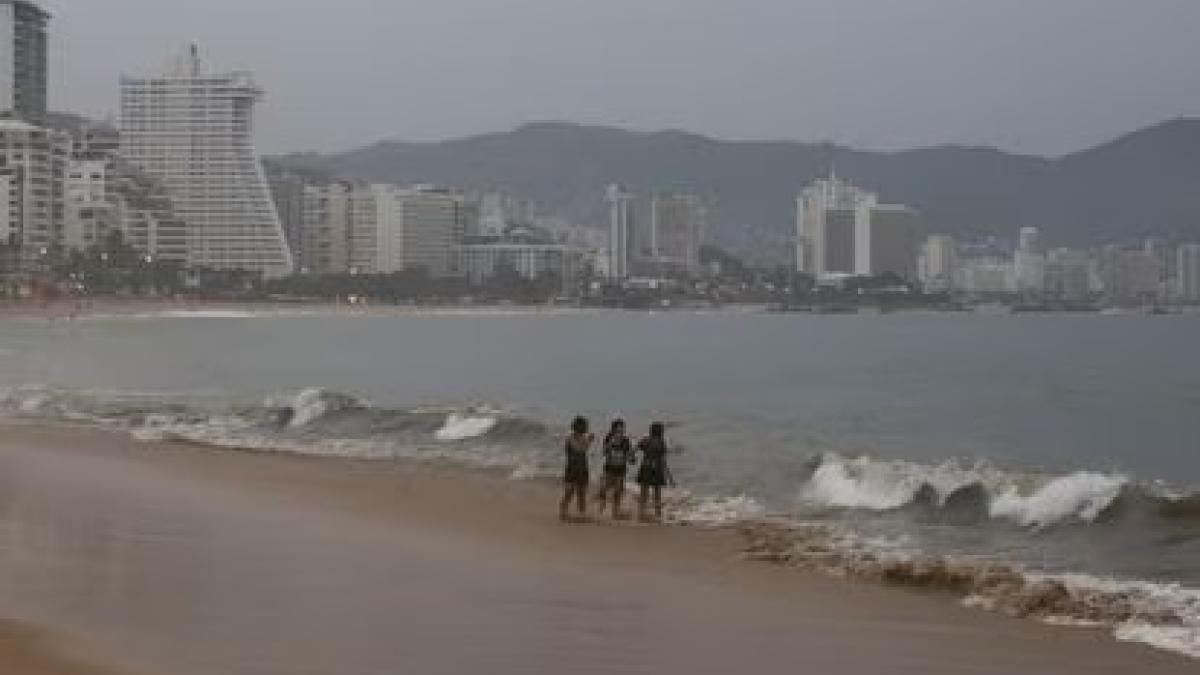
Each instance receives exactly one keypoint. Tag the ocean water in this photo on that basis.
(1065, 449)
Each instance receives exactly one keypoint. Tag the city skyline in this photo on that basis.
(1002, 55)
(191, 128)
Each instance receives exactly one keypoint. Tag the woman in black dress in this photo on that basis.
(618, 455)
(575, 479)
(653, 474)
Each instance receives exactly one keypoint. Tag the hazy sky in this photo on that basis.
(1039, 76)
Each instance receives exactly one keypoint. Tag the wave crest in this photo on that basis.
(952, 492)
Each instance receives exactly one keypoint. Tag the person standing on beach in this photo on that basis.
(654, 473)
(575, 480)
(618, 455)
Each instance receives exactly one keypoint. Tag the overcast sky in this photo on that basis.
(1037, 76)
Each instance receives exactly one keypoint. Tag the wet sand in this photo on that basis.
(204, 562)
(25, 650)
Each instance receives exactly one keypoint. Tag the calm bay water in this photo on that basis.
(1048, 392)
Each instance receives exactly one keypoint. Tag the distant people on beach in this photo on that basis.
(618, 455)
(576, 476)
(654, 473)
(652, 476)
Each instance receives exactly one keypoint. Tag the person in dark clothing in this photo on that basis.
(575, 479)
(654, 473)
(618, 455)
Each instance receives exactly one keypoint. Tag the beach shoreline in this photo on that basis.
(871, 626)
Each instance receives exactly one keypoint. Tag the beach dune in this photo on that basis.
(199, 562)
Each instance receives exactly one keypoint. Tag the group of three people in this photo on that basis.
(619, 455)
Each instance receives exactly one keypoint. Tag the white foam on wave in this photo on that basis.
(877, 485)
(179, 314)
(27, 400)
(718, 511)
(1180, 639)
(459, 427)
(211, 314)
(1032, 501)
(307, 406)
(1083, 496)
(1180, 602)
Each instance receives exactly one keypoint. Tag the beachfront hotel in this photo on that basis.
(193, 130)
(622, 235)
(33, 161)
(677, 225)
(843, 230)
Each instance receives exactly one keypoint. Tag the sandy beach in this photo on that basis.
(25, 650)
(177, 559)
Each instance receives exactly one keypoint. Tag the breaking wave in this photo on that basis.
(461, 427)
(825, 525)
(981, 492)
(313, 421)
(1166, 616)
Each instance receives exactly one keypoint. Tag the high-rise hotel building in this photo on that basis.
(622, 233)
(23, 61)
(842, 230)
(677, 227)
(193, 130)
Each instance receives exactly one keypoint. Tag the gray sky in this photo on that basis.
(1038, 76)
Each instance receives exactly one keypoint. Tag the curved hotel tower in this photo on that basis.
(193, 130)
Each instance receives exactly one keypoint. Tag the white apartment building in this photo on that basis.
(89, 213)
(842, 230)
(826, 215)
(324, 229)
(939, 263)
(677, 226)
(1067, 275)
(10, 213)
(480, 261)
(193, 130)
(1187, 270)
(1029, 262)
(417, 228)
(986, 276)
(34, 162)
(622, 233)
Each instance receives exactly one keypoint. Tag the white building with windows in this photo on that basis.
(1029, 262)
(89, 213)
(34, 162)
(622, 233)
(826, 226)
(939, 263)
(1187, 271)
(417, 228)
(193, 130)
(677, 227)
(843, 230)
(1067, 275)
(481, 261)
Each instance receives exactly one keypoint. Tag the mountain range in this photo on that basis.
(1143, 183)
